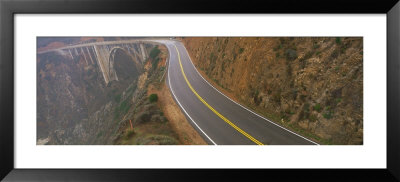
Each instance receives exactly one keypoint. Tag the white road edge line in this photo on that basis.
(243, 106)
(170, 87)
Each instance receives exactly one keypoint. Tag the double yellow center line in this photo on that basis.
(211, 108)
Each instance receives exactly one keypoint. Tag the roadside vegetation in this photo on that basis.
(143, 122)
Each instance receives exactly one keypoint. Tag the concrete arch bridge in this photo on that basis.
(103, 54)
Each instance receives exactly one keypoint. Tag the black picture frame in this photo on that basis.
(9, 8)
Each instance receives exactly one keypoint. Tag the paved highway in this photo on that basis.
(217, 118)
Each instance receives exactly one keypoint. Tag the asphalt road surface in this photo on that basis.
(216, 117)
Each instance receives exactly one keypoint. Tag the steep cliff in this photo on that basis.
(74, 106)
(313, 86)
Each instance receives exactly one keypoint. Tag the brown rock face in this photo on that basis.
(311, 85)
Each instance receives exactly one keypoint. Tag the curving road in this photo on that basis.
(218, 119)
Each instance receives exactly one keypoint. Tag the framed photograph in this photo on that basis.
(116, 90)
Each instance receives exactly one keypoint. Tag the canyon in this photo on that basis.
(95, 91)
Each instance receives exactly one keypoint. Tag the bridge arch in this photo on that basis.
(121, 69)
(111, 62)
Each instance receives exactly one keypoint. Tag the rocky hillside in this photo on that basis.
(313, 86)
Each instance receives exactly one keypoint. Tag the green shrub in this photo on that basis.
(313, 118)
(303, 97)
(129, 134)
(328, 115)
(343, 49)
(212, 57)
(124, 106)
(335, 54)
(317, 107)
(122, 109)
(153, 98)
(338, 40)
(154, 52)
(308, 55)
(99, 134)
(277, 97)
(241, 50)
(155, 63)
(291, 54)
(117, 98)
